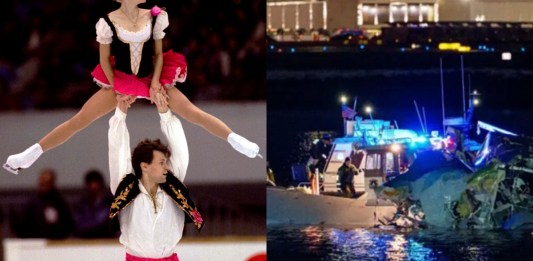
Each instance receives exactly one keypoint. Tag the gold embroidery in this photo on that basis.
(118, 200)
(181, 198)
(154, 202)
(185, 206)
(112, 215)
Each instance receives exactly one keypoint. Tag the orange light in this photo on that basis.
(395, 148)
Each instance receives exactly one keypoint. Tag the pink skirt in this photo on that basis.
(174, 70)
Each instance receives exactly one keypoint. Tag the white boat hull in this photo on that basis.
(295, 207)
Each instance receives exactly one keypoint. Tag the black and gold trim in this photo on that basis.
(128, 190)
(180, 194)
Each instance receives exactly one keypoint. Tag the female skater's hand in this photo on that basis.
(155, 88)
(125, 101)
(153, 92)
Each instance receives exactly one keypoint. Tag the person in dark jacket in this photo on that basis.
(319, 154)
(346, 174)
(46, 215)
(92, 211)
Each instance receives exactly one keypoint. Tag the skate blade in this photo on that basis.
(10, 169)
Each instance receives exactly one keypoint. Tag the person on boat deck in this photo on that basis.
(319, 154)
(151, 204)
(346, 173)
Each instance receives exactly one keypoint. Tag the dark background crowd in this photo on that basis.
(53, 212)
(48, 214)
(49, 48)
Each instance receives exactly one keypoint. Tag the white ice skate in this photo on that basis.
(243, 145)
(15, 163)
(11, 169)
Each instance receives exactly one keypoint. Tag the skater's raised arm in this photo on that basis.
(119, 143)
(173, 131)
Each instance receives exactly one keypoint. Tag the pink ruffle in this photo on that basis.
(174, 70)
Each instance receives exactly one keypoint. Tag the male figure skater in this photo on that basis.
(151, 203)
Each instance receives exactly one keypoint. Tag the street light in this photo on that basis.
(343, 99)
(474, 96)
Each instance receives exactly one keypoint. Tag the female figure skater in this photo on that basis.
(132, 63)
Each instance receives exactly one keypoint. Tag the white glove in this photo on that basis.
(243, 145)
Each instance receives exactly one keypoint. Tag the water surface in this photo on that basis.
(342, 243)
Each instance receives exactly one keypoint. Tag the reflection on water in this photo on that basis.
(336, 243)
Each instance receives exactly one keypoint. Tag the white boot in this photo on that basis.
(24, 159)
(243, 145)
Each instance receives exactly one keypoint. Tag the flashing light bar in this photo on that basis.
(420, 139)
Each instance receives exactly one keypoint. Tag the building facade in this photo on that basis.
(333, 14)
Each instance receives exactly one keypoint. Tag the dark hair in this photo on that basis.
(347, 159)
(50, 171)
(144, 152)
(94, 176)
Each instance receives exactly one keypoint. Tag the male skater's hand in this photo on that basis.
(161, 102)
(125, 101)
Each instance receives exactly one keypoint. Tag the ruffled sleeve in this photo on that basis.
(173, 131)
(119, 149)
(104, 34)
(161, 23)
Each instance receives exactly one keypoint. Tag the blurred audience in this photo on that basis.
(46, 214)
(91, 214)
(52, 48)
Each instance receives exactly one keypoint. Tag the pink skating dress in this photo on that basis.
(131, 57)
